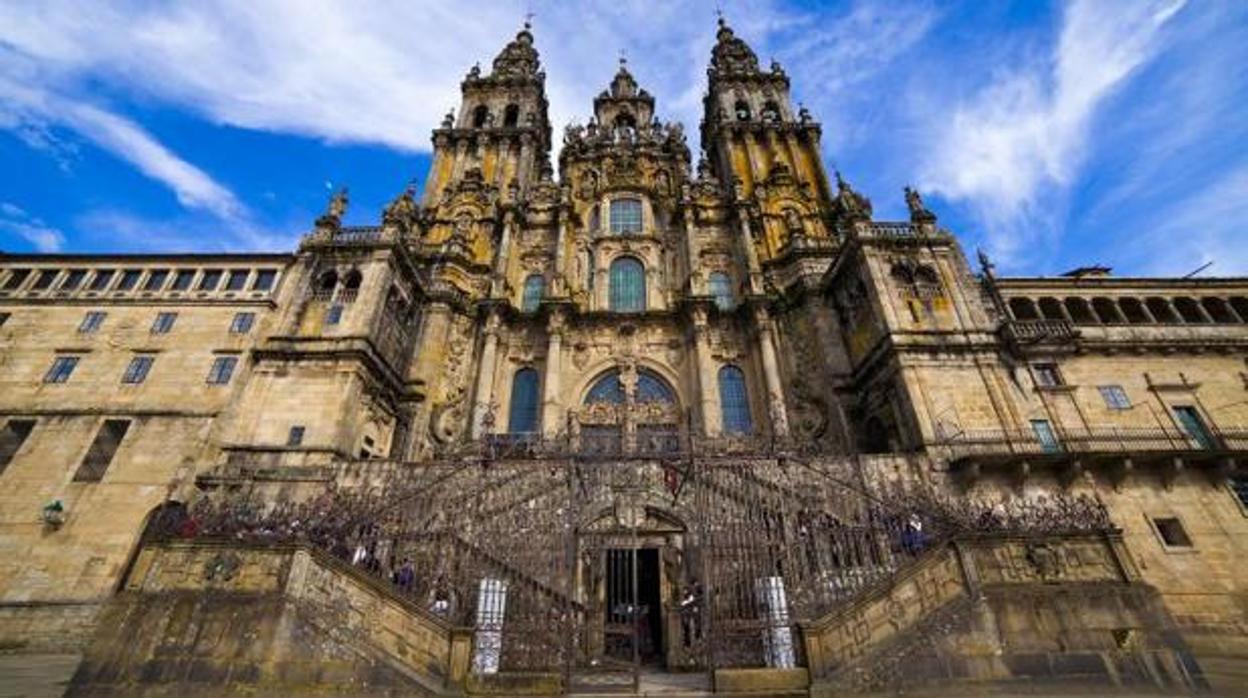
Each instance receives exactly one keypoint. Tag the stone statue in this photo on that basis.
(338, 204)
(402, 212)
(448, 121)
(918, 212)
(853, 205)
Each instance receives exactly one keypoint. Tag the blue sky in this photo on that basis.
(1051, 134)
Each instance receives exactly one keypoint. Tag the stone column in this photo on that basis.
(755, 274)
(485, 376)
(498, 284)
(552, 420)
(771, 373)
(708, 401)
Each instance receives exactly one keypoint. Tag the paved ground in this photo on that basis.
(36, 675)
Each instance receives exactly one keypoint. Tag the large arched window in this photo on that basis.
(534, 286)
(734, 401)
(650, 388)
(628, 286)
(511, 116)
(522, 417)
(480, 115)
(721, 289)
(625, 216)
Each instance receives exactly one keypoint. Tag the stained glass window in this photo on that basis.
(650, 388)
(625, 216)
(522, 417)
(628, 286)
(533, 289)
(721, 289)
(734, 401)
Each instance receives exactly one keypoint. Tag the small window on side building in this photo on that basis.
(222, 370)
(237, 280)
(73, 279)
(1115, 397)
(156, 280)
(62, 368)
(210, 280)
(1046, 375)
(100, 281)
(138, 369)
(242, 323)
(295, 437)
(264, 280)
(45, 279)
(129, 279)
(163, 323)
(1172, 532)
(92, 321)
(16, 278)
(182, 280)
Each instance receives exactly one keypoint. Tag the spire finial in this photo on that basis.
(623, 58)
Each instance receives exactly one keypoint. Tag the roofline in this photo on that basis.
(7, 257)
(1119, 281)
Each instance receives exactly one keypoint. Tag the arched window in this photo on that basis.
(522, 417)
(770, 113)
(650, 388)
(734, 401)
(743, 110)
(511, 115)
(721, 289)
(1023, 309)
(327, 281)
(627, 286)
(625, 120)
(534, 286)
(625, 216)
(479, 115)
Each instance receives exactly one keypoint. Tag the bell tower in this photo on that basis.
(766, 149)
(502, 134)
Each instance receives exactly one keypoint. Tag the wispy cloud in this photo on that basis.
(122, 231)
(1026, 133)
(14, 220)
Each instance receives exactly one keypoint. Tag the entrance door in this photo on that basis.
(634, 615)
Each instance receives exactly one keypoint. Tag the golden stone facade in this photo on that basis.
(640, 305)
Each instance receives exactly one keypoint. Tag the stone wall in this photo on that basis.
(207, 618)
(1001, 613)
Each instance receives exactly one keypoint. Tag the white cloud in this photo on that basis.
(14, 220)
(122, 231)
(1024, 135)
(1206, 226)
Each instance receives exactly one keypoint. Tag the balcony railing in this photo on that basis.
(1033, 331)
(1094, 440)
(361, 235)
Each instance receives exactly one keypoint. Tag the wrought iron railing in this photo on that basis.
(1097, 439)
(357, 235)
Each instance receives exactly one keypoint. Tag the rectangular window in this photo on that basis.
(264, 280)
(62, 368)
(11, 439)
(100, 281)
(1194, 426)
(129, 279)
(1044, 434)
(4, 317)
(1172, 532)
(210, 280)
(242, 323)
(102, 450)
(625, 216)
(1115, 397)
(334, 315)
(45, 279)
(156, 280)
(222, 369)
(163, 323)
(237, 280)
(1239, 487)
(182, 280)
(92, 321)
(16, 278)
(138, 369)
(295, 437)
(1047, 375)
(73, 279)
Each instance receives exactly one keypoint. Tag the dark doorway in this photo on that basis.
(634, 614)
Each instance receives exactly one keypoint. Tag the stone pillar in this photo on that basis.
(498, 284)
(771, 373)
(552, 420)
(755, 273)
(485, 377)
(524, 169)
(708, 401)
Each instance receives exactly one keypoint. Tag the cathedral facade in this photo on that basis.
(649, 382)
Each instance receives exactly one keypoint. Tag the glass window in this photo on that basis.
(734, 401)
(1115, 397)
(628, 286)
(242, 323)
(102, 450)
(129, 279)
(45, 278)
(163, 323)
(62, 368)
(534, 286)
(522, 417)
(237, 280)
(16, 278)
(295, 437)
(210, 280)
(100, 281)
(222, 369)
(625, 216)
(264, 280)
(156, 280)
(721, 289)
(92, 321)
(610, 389)
(1192, 423)
(1239, 487)
(73, 279)
(1046, 375)
(4, 317)
(334, 315)
(1044, 434)
(182, 280)
(137, 371)
(12, 437)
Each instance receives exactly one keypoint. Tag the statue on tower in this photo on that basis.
(918, 212)
(337, 208)
(853, 206)
(402, 212)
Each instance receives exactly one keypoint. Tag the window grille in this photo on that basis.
(138, 369)
(1115, 397)
(92, 321)
(534, 287)
(242, 323)
(62, 368)
(628, 286)
(625, 216)
(163, 323)
(523, 417)
(721, 289)
(734, 401)
(222, 369)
